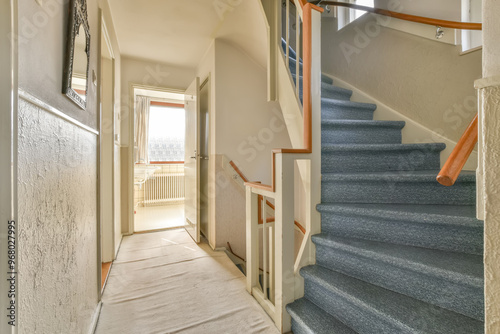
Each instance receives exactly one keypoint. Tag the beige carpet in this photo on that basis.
(164, 283)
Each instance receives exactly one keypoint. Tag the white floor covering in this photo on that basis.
(158, 217)
(163, 282)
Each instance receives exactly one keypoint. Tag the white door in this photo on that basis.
(191, 162)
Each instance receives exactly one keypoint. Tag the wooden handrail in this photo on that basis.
(407, 17)
(458, 157)
(260, 199)
(237, 170)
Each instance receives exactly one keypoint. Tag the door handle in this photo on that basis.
(204, 157)
(193, 157)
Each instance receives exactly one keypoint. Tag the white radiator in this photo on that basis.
(164, 188)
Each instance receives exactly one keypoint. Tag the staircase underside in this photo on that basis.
(398, 252)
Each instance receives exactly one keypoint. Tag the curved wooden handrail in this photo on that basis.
(407, 17)
(269, 204)
(458, 157)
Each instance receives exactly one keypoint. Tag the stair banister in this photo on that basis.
(407, 17)
(281, 262)
(458, 157)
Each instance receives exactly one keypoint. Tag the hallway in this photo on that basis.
(164, 283)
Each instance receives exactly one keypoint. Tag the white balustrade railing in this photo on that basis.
(272, 269)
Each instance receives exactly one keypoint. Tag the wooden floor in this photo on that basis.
(104, 272)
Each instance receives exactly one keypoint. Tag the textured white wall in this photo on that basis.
(489, 135)
(57, 214)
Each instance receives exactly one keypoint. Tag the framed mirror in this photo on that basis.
(76, 68)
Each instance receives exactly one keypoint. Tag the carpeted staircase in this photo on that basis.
(398, 252)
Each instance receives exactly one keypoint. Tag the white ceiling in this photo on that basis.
(179, 32)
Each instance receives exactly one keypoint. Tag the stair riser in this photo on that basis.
(299, 329)
(330, 111)
(324, 78)
(332, 94)
(328, 91)
(397, 192)
(450, 295)
(353, 315)
(459, 239)
(379, 161)
(359, 135)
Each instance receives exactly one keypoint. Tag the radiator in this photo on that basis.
(164, 188)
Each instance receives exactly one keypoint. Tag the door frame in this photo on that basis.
(129, 183)
(109, 243)
(8, 151)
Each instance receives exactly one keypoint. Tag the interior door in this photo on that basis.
(192, 162)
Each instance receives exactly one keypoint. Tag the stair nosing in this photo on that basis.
(395, 176)
(310, 273)
(327, 147)
(391, 214)
(364, 123)
(407, 264)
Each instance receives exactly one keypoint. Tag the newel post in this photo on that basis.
(252, 242)
(284, 240)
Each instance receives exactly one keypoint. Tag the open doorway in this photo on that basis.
(159, 135)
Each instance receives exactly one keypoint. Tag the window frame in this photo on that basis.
(160, 103)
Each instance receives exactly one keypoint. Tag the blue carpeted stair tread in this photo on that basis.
(368, 157)
(292, 63)
(367, 308)
(309, 318)
(449, 280)
(364, 123)
(397, 187)
(329, 147)
(401, 176)
(329, 91)
(452, 228)
(349, 104)
(463, 215)
(459, 268)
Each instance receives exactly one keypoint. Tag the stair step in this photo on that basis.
(336, 158)
(404, 187)
(292, 63)
(361, 132)
(308, 318)
(367, 308)
(291, 52)
(448, 228)
(337, 109)
(329, 91)
(450, 280)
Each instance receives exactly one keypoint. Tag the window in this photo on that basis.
(348, 15)
(357, 13)
(471, 12)
(166, 134)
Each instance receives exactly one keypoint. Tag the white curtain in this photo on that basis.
(141, 129)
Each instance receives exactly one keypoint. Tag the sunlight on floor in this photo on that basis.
(158, 217)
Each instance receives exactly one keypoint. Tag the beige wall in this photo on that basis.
(489, 138)
(42, 46)
(247, 128)
(427, 81)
